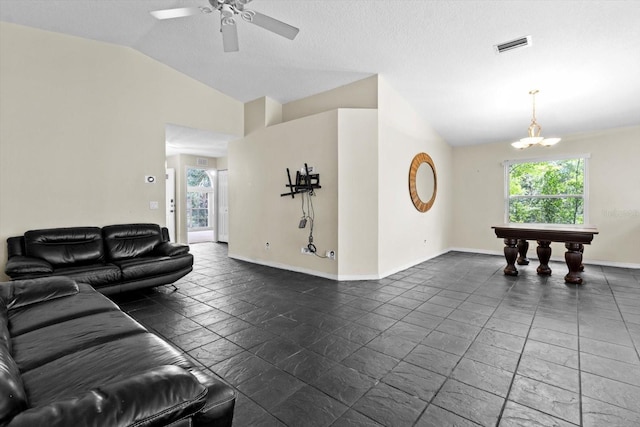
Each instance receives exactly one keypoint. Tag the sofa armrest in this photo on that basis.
(20, 293)
(21, 265)
(157, 397)
(171, 249)
(220, 404)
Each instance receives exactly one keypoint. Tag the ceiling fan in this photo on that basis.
(229, 9)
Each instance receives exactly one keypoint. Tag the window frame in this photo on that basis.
(585, 196)
(209, 191)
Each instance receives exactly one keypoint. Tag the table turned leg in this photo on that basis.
(573, 256)
(510, 254)
(581, 253)
(523, 247)
(544, 254)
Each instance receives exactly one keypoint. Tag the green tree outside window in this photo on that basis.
(547, 192)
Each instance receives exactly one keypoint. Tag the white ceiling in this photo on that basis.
(585, 56)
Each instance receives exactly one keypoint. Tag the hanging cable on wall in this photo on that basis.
(306, 183)
(309, 216)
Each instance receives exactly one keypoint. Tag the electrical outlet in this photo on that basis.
(305, 251)
(331, 254)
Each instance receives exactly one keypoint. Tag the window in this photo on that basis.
(546, 191)
(199, 199)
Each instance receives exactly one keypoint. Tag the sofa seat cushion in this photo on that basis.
(144, 267)
(48, 343)
(77, 373)
(65, 246)
(95, 275)
(86, 302)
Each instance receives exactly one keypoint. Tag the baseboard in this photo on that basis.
(340, 277)
(612, 264)
(350, 278)
(286, 267)
(554, 258)
(475, 251)
(412, 264)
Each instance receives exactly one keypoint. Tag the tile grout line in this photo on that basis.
(450, 375)
(515, 372)
(580, 355)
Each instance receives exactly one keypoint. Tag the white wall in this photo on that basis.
(614, 193)
(358, 217)
(82, 122)
(407, 236)
(363, 156)
(257, 176)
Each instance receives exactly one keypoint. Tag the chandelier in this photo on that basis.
(534, 137)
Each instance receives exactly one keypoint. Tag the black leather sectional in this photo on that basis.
(70, 357)
(112, 259)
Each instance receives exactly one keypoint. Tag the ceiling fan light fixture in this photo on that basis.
(226, 11)
(247, 15)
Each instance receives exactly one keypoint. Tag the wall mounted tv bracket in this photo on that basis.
(305, 183)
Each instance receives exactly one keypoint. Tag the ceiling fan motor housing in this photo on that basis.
(237, 4)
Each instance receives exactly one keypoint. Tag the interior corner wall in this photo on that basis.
(357, 251)
(81, 124)
(181, 163)
(360, 94)
(223, 163)
(614, 193)
(257, 177)
(407, 236)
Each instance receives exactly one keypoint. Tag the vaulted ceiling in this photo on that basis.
(439, 55)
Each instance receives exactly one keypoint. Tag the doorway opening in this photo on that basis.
(200, 205)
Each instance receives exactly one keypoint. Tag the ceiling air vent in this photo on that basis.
(513, 44)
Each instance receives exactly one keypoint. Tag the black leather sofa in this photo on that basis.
(112, 259)
(70, 357)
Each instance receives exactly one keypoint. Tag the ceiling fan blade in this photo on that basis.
(229, 35)
(271, 24)
(175, 13)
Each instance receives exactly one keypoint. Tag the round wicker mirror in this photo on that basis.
(423, 182)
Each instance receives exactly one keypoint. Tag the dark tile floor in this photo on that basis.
(451, 341)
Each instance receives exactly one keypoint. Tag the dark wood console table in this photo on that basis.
(574, 238)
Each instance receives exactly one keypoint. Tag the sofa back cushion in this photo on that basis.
(126, 241)
(13, 398)
(65, 246)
